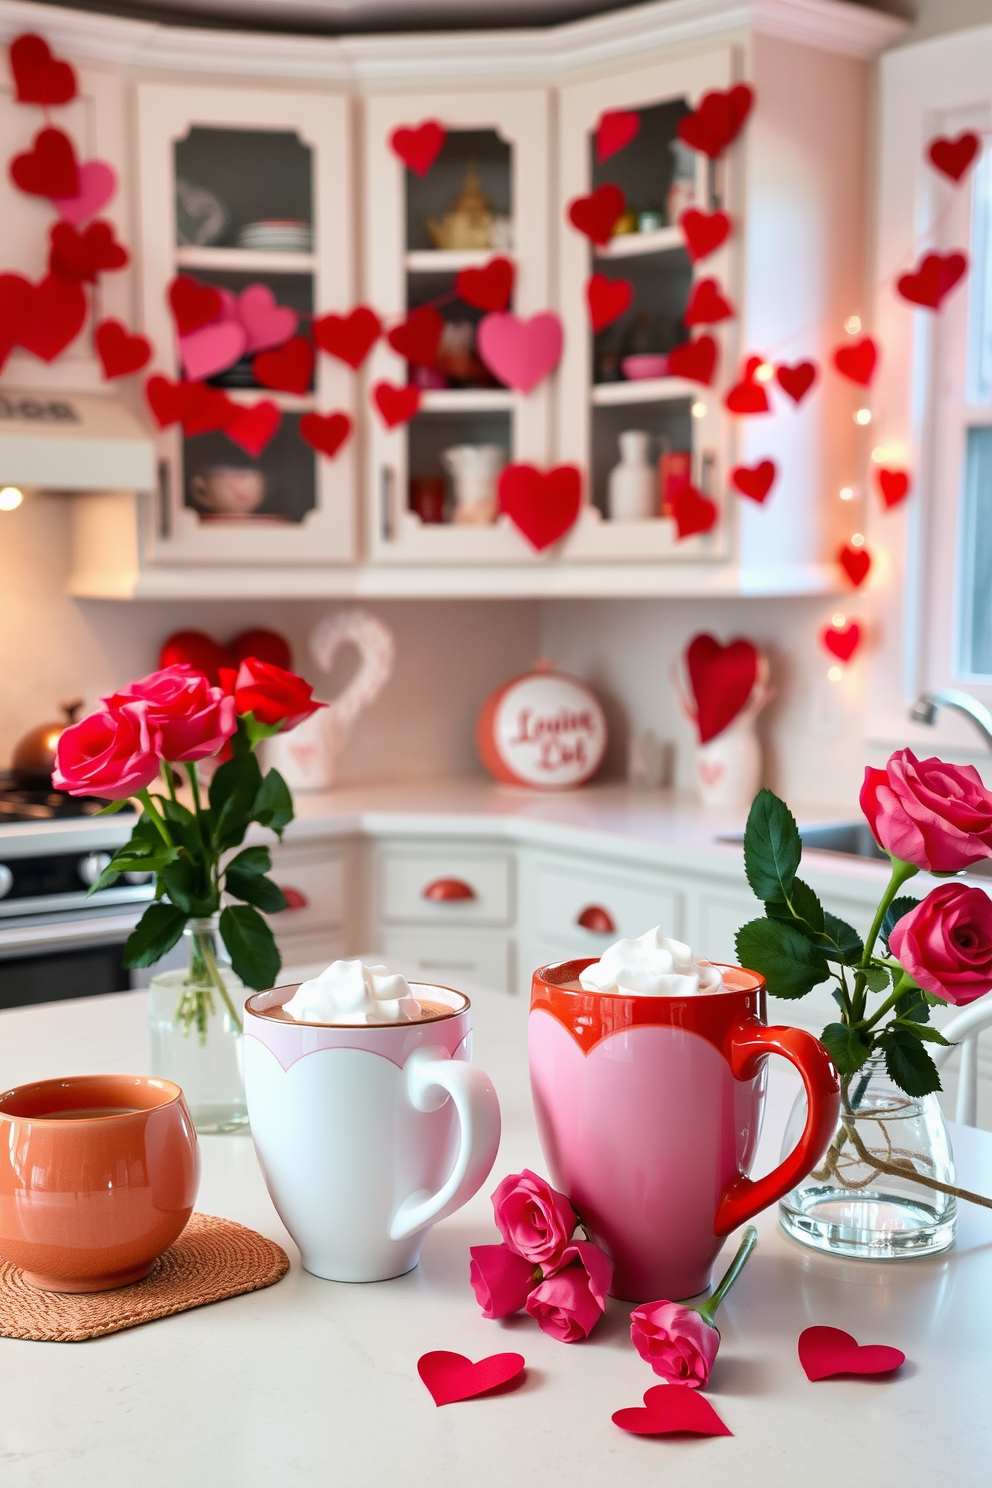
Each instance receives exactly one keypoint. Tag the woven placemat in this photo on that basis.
(212, 1259)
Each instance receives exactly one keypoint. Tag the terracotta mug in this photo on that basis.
(98, 1176)
(649, 1109)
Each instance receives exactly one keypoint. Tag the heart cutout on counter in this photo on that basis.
(670, 1409)
(695, 360)
(288, 369)
(797, 380)
(542, 504)
(521, 353)
(452, 1377)
(693, 512)
(933, 279)
(487, 288)
(857, 363)
(120, 353)
(39, 76)
(952, 157)
(418, 145)
(893, 485)
(704, 232)
(707, 306)
(349, 337)
(325, 432)
(722, 679)
(396, 405)
(855, 562)
(824, 1352)
(81, 256)
(49, 168)
(717, 120)
(419, 336)
(615, 130)
(607, 299)
(97, 184)
(596, 215)
(754, 481)
(841, 640)
(196, 649)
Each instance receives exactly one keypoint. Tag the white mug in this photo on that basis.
(367, 1135)
(474, 469)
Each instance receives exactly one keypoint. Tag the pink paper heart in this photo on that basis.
(266, 323)
(520, 352)
(827, 1351)
(212, 348)
(97, 184)
(450, 1377)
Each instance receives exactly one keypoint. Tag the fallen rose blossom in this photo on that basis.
(501, 1279)
(534, 1219)
(569, 1304)
(678, 1343)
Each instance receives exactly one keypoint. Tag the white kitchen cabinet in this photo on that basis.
(478, 958)
(443, 884)
(584, 908)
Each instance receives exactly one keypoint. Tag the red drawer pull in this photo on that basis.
(446, 890)
(595, 917)
(295, 899)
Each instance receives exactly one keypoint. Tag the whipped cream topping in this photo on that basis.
(352, 993)
(651, 966)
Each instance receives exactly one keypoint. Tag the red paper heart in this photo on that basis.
(418, 146)
(671, 1408)
(695, 360)
(542, 504)
(717, 121)
(855, 562)
(596, 215)
(707, 305)
(616, 128)
(608, 299)
(693, 512)
(200, 409)
(488, 288)
(827, 1351)
(893, 484)
(704, 232)
(451, 1377)
(289, 368)
(748, 396)
(754, 481)
(43, 318)
(952, 157)
(38, 76)
(194, 648)
(395, 404)
(797, 380)
(722, 679)
(933, 279)
(857, 363)
(120, 353)
(251, 428)
(350, 337)
(194, 305)
(49, 168)
(325, 432)
(419, 337)
(81, 256)
(841, 641)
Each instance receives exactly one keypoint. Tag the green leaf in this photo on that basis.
(189, 888)
(790, 964)
(894, 914)
(836, 939)
(876, 978)
(929, 1035)
(845, 1047)
(913, 1005)
(772, 848)
(155, 933)
(802, 904)
(112, 807)
(232, 796)
(256, 889)
(273, 805)
(251, 945)
(843, 937)
(252, 860)
(908, 1063)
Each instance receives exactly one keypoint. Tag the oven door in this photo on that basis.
(48, 958)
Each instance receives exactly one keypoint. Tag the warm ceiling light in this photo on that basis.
(10, 498)
(847, 493)
(852, 325)
(863, 416)
(699, 410)
(857, 540)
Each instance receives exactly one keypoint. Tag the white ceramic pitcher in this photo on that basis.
(474, 469)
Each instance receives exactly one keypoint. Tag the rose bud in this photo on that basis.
(279, 700)
(945, 943)
(678, 1342)
(569, 1304)
(501, 1280)
(534, 1219)
(933, 815)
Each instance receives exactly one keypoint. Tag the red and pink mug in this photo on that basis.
(649, 1109)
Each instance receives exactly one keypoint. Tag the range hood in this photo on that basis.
(65, 442)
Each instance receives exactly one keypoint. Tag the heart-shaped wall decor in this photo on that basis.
(325, 432)
(488, 288)
(695, 360)
(81, 256)
(418, 145)
(797, 380)
(933, 279)
(350, 337)
(120, 353)
(266, 323)
(841, 640)
(450, 1377)
(717, 120)
(542, 504)
(855, 562)
(43, 318)
(893, 485)
(722, 679)
(754, 481)
(857, 362)
(212, 349)
(288, 368)
(607, 299)
(419, 336)
(521, 353)
(596, 215)
(200, 409)
(49, 168)
(671, 1409)
(748, 396)
(707, 306)
(196, 649)
(193, 304)
(615, 130)
(396, 405)
(824, 1352)
(693, 512)
(40, 77)
(97, 184)
(253, 426)
(704, 232)
(952, 157)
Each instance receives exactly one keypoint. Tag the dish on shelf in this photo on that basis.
(276, 235)
(644, 366)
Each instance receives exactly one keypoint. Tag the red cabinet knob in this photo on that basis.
(295, 898)
(446, 890)
(595, 917)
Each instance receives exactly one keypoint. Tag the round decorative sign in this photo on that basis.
(544, 730)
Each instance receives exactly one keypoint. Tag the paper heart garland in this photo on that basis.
(855, 562)
(49, 168)
(542, 504)
(97, 184)
(419, 337)
(266, 324)
(450, 1377)
(418, 146)
(707, 306)
(196, 649)
(857, 363)
(40, 77)
(193, 304)
(748, 396)
(81, 256)
(607, 299)
(841, 641)
(671, 1408)
(596, 215)
(952, 157)
(43, 318)
(893, 485)
(693, 512)
(199, 409)
(120, 353)
(717, 120)
(488, 288)
(704, 232)
(396, 405)
(824, 1352)
(288, 368)
(521, 353)
(252, 426)
(350, 337)
(722, 679)
(325, 432)
(615, 130)
(212, 349)
(695, 360)
(933, 279)
(796, 381)
(754, 481)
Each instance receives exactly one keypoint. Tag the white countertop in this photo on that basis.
(315, 1382)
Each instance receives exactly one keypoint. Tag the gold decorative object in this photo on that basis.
(469, 224)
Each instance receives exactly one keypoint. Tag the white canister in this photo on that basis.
(474, 469)
(633, 490)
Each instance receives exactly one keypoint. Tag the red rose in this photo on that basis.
(925, 812)
(945, 943)
(113, 753)
(677, 1342)
(535, 1221)
(569, 1304)
(273, 696)
(194, 719)
(501, 1280)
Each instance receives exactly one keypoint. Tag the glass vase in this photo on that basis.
(196, 1030)
(864, 1199)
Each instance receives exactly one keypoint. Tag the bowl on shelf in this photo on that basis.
(276, 235)
(644, 365)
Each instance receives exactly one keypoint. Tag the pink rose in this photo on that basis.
(945, 943)
(569, 1304)
(112, 753)
(272, 695)
(933, 815)
(500, 1279)
(194, 719)
(677, 1342)
(535, 1221)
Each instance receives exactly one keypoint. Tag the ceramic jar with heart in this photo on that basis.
(728, 687)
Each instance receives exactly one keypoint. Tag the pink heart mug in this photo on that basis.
(649, 1110)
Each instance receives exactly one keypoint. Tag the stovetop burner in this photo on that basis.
(18, 804)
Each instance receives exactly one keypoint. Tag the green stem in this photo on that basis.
(194, 785)
(167, 777)
(748, 1241)
(903, 984)
(900, 873)
(147, 801)
(207, 952)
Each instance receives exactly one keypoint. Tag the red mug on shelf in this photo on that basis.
(428, 494)
(649, 1109)
(674, 474)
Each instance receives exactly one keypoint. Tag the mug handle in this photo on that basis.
(749, 1043)
(431, 1076)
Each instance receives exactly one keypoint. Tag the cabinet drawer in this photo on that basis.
(318, 879)
(627, 905)
(482, 880)
(451, 958)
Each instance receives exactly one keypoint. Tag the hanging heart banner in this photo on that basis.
(952, 157)
(671, 1410)
(856, 563)
(120, 353)
(755, 481)
(521, 353)
(722, 679)
(841, 641)
(796, 381)
(212, 349)
(933, 279)
(542, 504)
(824, 1352)
(488, 288)
(615, 130)
(419, 337)
(326, 432)
(266, 324)
(97, 183)
(596, 215)
(40, 77)
(695, 360)
(748, 396)
(286, 369)
(350, 337)
(253, 426)
(857, 362)
(717, 120)
(452, 1377)
(199, 409)
(82, 256)
(49, 168)
(43, 318)
(693, 512)
(193, 304)
(704, 232)
(893, 485)
(607, 299)
(396, 405)
(707, 306)
(419, 145)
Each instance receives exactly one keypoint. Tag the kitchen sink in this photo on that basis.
(854, 840)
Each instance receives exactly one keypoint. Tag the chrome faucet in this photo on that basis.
(929, 704)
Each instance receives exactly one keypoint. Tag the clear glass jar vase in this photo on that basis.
(196, 1029)
(864, 1199)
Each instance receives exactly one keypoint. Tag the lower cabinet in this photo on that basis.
(482, 958)
(314, 877)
